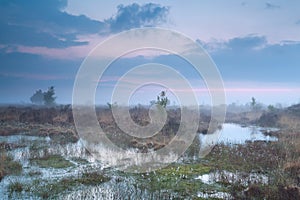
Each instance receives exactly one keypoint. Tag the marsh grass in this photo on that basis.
(52, 161)
(8, 165)
(249, 157)
(178, 180)
(140, 116)
(54, 189)
(279, 161)
(15, 186)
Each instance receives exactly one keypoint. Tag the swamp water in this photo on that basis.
(37, 179)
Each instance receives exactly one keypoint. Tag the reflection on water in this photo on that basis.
(236, 134)
(233, 134)
(231, 177)
(39, 146)
(21, 139)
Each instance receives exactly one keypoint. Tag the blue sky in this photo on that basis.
(255, 44)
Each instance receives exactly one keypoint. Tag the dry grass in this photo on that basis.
(8, 165)
(280, 161)
(290, 122)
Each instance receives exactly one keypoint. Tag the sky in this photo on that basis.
(254, 44)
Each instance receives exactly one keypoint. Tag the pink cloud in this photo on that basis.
(35, 76)
(240, 90)
(81, 51)
(267, 88)
(69, 53)
(261, 89)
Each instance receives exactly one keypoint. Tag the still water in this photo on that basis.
(37, 146)
(237, 134)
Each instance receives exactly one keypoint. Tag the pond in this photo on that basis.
(231, 134)
(235, 133)
(238, 134)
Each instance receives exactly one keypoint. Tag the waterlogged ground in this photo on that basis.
(67, 171)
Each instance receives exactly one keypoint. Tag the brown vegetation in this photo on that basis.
(57, 123)
(279, 161)
(8, 165)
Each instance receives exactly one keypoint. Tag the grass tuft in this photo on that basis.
(15, 187)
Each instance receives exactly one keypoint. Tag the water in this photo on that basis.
(242, 178)
(237, 134)
(31, 147)
(234, 133)
(216, 195)
(229, 177)
(21, 139)
(231, 134)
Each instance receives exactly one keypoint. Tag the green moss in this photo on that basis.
(93, 178)
(54, 161)
(179, 178)
(67, 184)
(187, 170)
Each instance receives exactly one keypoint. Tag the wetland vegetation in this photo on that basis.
(42, 157)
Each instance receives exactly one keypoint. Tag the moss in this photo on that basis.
(93, 178)
(184, 169)
(52, 161)
(53, 189)
(179, 178)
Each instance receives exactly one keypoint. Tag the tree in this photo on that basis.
(37, 97)
(253, 102)
(49, 98)
(162, 99)
(110, 105)
(44, 98)
(254, 105)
